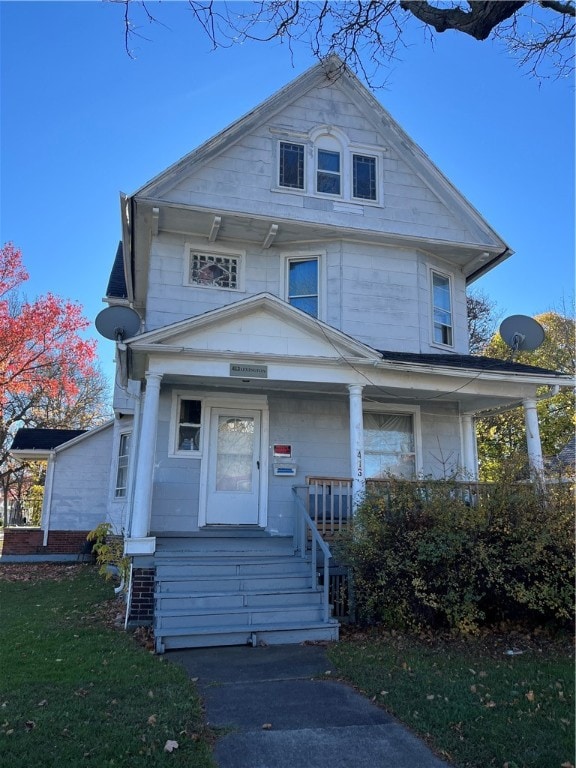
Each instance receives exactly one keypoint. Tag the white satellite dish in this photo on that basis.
(522, 333)
(117, 323)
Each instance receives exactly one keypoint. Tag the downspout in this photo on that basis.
(47, 501)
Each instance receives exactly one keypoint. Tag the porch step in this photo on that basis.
(279, 634)
(222, 590)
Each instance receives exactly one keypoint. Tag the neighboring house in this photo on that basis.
(301, 284)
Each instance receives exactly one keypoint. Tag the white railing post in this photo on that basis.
(533, 444)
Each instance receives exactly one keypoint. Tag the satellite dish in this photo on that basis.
(522, 333)
(117, 323)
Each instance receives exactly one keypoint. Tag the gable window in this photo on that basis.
(364, 177)
(441, 309)
(302, 284)
(389, 445)
(291, 165)
(189, 425)
(122, 466)
(328, 172)
(214, 271)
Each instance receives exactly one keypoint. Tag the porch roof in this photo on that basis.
(37, 443)
(470, 362)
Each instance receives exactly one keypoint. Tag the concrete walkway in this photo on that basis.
(281, 708)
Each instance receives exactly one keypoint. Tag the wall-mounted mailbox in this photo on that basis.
(284, 469)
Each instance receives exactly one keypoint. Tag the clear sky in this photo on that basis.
(82, 121)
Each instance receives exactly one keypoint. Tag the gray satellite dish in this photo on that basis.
(522, 333)
(117, 323)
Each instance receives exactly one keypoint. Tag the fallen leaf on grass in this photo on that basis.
(152, 720)
(567, 764)
(170, 745)
(42, 703)
(29, 725)
(530, 695)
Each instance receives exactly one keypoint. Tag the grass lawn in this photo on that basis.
(74, 691)
(476, 705)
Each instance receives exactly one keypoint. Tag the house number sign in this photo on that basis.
(249, 371)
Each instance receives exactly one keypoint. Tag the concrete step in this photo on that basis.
(280, 634)
(223, 542)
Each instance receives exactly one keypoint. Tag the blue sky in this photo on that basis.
(81, 121)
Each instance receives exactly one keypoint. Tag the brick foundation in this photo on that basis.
(142, 597)
(28, 541)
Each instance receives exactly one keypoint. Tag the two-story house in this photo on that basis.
(299, 283)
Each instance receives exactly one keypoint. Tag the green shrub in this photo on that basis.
(423, 556)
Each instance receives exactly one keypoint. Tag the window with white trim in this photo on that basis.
(122, 466)
(214, 270)
(189, 426)
(364, 177)
(291, 169)
(302, 284)
(328, 172)
(389, 445)
(442, 332)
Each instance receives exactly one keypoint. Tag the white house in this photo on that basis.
(300, 285)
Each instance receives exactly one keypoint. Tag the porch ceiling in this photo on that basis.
(466, 402)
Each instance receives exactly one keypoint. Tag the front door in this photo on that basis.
(233, 487)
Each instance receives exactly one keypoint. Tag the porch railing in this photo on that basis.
(307, 538)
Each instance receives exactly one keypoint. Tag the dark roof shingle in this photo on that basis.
(42, 439)
(474, 362)
(117, 282)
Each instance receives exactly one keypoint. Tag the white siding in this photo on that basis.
(81, 481)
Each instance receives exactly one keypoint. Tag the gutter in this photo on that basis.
(489, 265)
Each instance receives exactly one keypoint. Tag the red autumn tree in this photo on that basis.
(39, 337)
(48, 376)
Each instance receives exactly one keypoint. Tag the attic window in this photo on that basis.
(364, 177)
(291, 165)
(213, 271)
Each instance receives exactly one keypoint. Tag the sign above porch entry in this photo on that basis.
(249, 371)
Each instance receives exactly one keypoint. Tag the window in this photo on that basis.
(213, 271)
(389, 446)
(291, 165)
(303, 285)
(122, 467)
(364, 177)
(328, 172)
(189, 425)
(441, 309)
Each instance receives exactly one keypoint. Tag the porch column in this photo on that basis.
(469, 467)
(139, 542)
(533, 438)
(356, 444)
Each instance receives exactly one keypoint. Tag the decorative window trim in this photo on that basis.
(333, 140)
(287, 258)
(433, 341)
(402, 410)
(226, 254)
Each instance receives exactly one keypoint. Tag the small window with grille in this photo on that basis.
(214, 271)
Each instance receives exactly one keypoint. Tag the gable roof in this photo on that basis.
(334, 72)
(181, 334)
(33, 439)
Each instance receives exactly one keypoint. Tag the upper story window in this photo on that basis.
(442, 328)
(302, 284)
(291, 165)
(213, 270)
(122, 466)
(327, 164)
(364, 177)
(328, 173)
